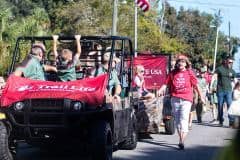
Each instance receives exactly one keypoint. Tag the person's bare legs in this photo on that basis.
(184, 122)
(182, 111)
(215, 111)
(182, 137)
(190, 120)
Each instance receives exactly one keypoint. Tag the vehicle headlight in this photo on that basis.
(77, 106)
(19, 106)
(2, 116)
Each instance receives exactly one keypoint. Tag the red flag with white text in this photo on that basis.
(89, 90)
(155, 70)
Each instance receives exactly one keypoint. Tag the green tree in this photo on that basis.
(186, 31)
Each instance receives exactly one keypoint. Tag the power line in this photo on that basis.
(208, 4)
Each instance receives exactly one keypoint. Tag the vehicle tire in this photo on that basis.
(169, 126)
(5, 153)
(131, 142)
(101, 141)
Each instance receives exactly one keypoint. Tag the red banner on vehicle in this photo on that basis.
(89, 90)
(155, 70)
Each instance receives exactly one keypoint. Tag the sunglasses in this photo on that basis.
(181, 60)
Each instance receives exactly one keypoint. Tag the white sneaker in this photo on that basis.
(214, 121)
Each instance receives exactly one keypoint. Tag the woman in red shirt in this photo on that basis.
(181, 82)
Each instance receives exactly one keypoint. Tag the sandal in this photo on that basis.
(181, 146)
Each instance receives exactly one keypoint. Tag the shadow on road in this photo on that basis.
(160, 143)
(172, 153)
(211, 125)
(29, 153)
(166, 152)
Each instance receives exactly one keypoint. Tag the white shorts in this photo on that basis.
(182, 109)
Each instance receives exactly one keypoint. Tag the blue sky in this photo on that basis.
(230, 10)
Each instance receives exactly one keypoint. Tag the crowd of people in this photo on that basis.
(63, 63)
(189, 89)
(199, 89)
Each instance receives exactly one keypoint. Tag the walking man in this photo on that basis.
(225, 77)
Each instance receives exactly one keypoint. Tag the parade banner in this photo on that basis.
(89, 90)
(155, 72)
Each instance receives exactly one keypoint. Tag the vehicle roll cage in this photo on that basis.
(84, 39)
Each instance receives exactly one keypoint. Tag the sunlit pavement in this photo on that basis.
(204, 142)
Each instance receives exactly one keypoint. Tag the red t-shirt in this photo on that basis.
(181, 84)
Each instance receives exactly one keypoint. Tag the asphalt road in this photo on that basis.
(204, 141)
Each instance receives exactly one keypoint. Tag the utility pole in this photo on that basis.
(215, 51)
(114, 17)
(229, 38)
(163, 13)
(216, 42)
(135, 28)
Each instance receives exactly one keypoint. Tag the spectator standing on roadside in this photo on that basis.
(225, 75)
(195, 100)
(193, 108)
(207, 75)
(236, 92)
(236, 103)
(202, 82)
(213, 98)
(181, 82)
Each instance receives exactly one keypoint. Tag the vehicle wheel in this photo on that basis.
(131, 142)
(5, 153)
(169, 126)
(102, 145)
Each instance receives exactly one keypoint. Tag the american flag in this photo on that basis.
(143, 4)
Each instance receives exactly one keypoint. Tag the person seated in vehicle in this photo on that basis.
(114, 86)
(96, 54)
(93, 60)
(31, 67)
(2, 84)
(80, 72)
(66, 62)
(139, 84)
